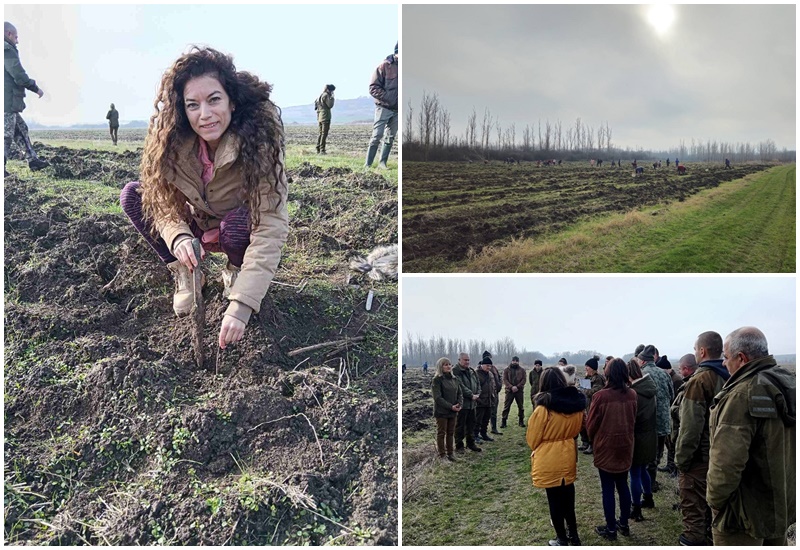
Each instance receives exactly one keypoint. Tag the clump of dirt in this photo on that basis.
(109, 167)
(114, 436)
(417, 401)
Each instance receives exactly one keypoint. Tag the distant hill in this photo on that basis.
(345, 111)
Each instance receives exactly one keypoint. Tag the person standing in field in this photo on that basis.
(610, 425)
(383, 88)
(514, 382)
(213, 169)
(665, 392)
(15, 82)
(533, 378)
(471, 390)
(113, 123)
(556, 421)
(447, 402)
(425, 368)
(645, 438)
(323, 105)
(597, 382)
(486, 401)
(498, 382)
(751, 467)
(677, 381)
(692, 405)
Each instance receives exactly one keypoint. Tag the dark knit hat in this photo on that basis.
(663, 363)
(592, 363)
(486, 361)
(648, 353)
(537, 362)
(515, 358)
(486, 354)
(331, 87)
(562, 361)
(638, 350)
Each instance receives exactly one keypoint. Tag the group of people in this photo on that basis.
(383, 88)
(725, 417)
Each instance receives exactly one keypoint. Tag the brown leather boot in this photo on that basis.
(229, 275)
(183, 298)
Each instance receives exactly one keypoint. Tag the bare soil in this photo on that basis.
(453, 209)
(114, 436)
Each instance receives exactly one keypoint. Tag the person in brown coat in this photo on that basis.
(610, 425)
(447, 402)
(514, 382)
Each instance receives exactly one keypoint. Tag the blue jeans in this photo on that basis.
(608, 482)
(640, 483)
(384, 127)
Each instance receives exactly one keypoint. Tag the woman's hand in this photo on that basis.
(184, 252)
(232, 331)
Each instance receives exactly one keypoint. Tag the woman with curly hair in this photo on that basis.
(213, 169)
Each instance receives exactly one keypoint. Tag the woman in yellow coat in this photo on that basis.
(552, 428)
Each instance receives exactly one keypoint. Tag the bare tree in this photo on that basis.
(408, 131)
(559, 144)
(547, 135)
(471, 126)
(526, 138)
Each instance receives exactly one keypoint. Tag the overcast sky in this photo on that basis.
(611, 315)
(724, 72)
(85, 57)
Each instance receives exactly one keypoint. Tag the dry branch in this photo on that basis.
(344, 342)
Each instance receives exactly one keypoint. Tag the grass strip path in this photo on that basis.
(747, 226)
(487, 498)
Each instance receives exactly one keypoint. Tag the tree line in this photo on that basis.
(427, 135)
(418, 349)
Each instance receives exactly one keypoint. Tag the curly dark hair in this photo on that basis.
(256, 121)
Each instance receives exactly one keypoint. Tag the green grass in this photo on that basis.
(747, 225)
(487, 498)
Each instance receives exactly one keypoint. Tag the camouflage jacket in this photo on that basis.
(751, 467)
(470, 386)
(664, 395)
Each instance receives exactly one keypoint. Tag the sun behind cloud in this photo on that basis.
(661, 17)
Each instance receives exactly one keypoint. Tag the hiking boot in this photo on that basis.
(521, 423)
(451, 458)
(503, 424)
(486, 437)
(574, 539)
(37, 164)
(496, 432)
(460, 450)
(474, 448)
(603, 531)
(647, 501)
(624, 530)
(588, 450)
(558, 542)
(183, 299)
(636, 513)
(229, 275)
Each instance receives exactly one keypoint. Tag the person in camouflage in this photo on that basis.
(323, 105)
(15, 82)
(665, 392)
(753, 441)
(383, 88)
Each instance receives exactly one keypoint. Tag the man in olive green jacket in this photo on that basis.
(471, 391)
(323, 105)
(751, 469)
(15, 82)
(692, 436)
(533, 379)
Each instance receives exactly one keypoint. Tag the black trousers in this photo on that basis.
(562, 509)
(465, 426)
(482, 417)
(652, 468)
